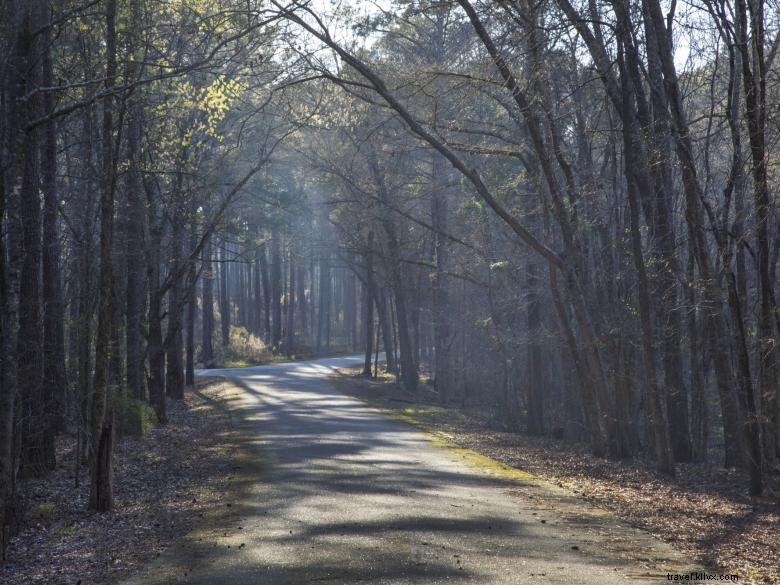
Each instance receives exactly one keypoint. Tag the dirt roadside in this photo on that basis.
(180, 476)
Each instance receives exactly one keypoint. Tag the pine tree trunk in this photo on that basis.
(136, 226)
(101, 486)
(224, 298)
(174, 373)
(276, 290)
(369, 304)
(29, 349)
(192, 276)
(207, 288)
(290, 303)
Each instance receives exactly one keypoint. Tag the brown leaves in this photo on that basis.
(164, 483)
(704, 512)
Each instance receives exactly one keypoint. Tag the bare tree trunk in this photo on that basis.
(257, 301)
(174, 373)
(754, 79)
(101, 486)
(11, 260)
(409, 374)
(207, 284)
(663, 450)
(590, 399)
(290, 303)
(325, 297)
(136, 223)
(55, 379)
(192, 276)
(535, 380)
(301, 293)
(155, 346)
(224, 295)
(445, 380)
(385, 326)
(693, 195)
(261, 251)
(369, 304)
(276, 290)
(29, 349)
(699, 414)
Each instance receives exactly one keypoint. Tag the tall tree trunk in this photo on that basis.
(535, 379)
(290, 303)
(445, 380)
(224, 298)
(693, 195)
(369, 304)
(301, 293)
(11, 252)
(155, 345)
(55, 379)
(101, 486)
(207, 288)
(754, 79)
(276, 289)
(663, 451)
(324, 301)
(261, 251)
(29, 350)
(191, 281)
(136, 222)
(257, 286)
(156, 349)
(174, 373)
(386, 329)
(409, 374)
(699, 414)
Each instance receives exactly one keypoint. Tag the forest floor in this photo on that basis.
(166, 483)
(704, 511)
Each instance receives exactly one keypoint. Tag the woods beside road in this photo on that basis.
(564, 213)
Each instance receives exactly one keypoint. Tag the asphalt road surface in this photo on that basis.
(346, 495)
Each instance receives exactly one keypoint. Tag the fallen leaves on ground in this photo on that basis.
(704, 511)
(164, 484)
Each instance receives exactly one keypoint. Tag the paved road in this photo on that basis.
(349, 496)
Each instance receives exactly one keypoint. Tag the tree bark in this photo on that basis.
(369, 304)
(276, 290)
(101, 486)
(224, 295)
(290, 303)
(136, 223)
(192, 278)
(207, 293)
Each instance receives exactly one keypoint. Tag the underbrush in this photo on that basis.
(244, 349)
(247, 349)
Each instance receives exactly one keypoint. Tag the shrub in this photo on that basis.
(135, 416)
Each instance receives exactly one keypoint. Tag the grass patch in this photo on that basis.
(415, 416)
(137, 417)
(46, 510)
(67, 530)
(384, 394)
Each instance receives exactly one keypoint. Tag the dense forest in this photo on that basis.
(562, 211)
